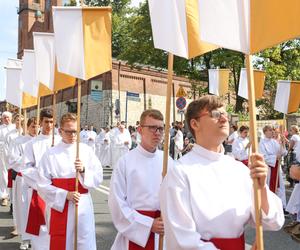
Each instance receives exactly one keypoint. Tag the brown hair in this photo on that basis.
(67, 117)
(31, 120)
(48, 113)
(242, 128)
(208, 102)
(154, 113)
(295, 128)
(267, 127)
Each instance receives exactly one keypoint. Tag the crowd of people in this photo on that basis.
(206, 198)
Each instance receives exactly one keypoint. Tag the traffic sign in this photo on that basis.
(181, 103)
(181, 92)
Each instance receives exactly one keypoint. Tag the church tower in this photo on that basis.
(34, 16)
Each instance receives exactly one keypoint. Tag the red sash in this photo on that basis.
(36, 215)
(9, 177)
(273, 177)
(151, 241)
(59, 220)
(245, 162)
(19, 174)
(229, 243)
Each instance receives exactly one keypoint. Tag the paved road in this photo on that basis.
(106, 232)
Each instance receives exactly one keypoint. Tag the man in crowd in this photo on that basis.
(134, 188)
(20, 189)
(178, 141)
(57, 178)
(241, 146)
(88, 136)
(207, 197)
(4, 129)
(33, 152)
(10, 137)
(121, 143)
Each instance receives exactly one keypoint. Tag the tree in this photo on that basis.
(71, 3)
(281, 63)
(120, 11)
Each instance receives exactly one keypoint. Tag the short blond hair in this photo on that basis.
(154, 113)
(67, 118)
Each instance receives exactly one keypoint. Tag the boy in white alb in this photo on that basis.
(134, 189)
(207, 198)
(57, 178)
(20, 191)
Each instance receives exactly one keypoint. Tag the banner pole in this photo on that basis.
(167, 127)
(254, 149)
(54, 116)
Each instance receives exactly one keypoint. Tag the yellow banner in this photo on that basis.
(294, 101)
(273, 22)
(97, 40)
(196, 46)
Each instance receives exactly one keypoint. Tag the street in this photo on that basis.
(106, 232)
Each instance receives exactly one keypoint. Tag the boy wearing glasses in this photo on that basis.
(207, 198)
(33, 152)
(57, 178)
(134, 188)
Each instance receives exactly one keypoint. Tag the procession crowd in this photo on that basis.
(206, 198)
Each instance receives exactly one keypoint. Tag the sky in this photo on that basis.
(9, 36)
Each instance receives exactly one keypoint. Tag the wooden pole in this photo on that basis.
(20, 121)
(254, 149)
(25, 122)
(167, 127)
(282, 131)
(38, 110)
(54, 116)
(77, 153)
(77, 157)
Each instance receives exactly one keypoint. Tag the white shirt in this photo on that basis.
(16, 152)
(233, 136)
(178, 139)
(4, 130)
(135, 186)
(210, 195)
(296, 139)
(33, 153)
(239, 150)
(271, 149)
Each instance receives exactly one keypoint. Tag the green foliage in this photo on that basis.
(71, 3)
(132, 42)
(280, 63)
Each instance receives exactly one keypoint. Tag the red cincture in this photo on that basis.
(151, 241)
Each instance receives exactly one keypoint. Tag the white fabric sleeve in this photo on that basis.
(15, 156)
(54, 197)
(29, 172)
(269, 159)
(274, 220)
(180, 227)
(238, 150)
(133, 225)
(93, 175)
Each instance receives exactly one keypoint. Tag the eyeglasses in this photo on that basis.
(69, 132)
(215, 114)
(154, 128)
